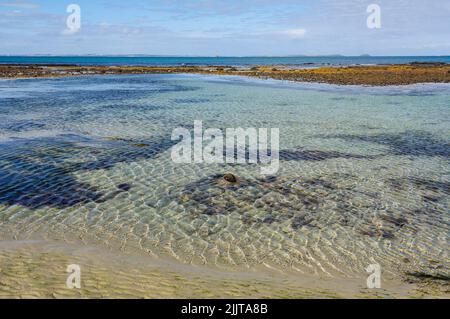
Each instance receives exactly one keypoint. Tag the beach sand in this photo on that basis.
(37, 269)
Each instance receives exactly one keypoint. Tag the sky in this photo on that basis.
(225, 27)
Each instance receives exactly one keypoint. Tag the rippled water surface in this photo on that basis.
(363, 175)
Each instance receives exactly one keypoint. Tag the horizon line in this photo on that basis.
(212, 56)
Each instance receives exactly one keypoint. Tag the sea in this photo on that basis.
(305, 61)
(363, 177)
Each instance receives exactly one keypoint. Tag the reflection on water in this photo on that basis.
(363, 175)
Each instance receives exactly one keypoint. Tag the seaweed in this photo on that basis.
(40, 176)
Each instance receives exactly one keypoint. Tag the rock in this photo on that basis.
(269, 219)
(386, 234)
(300, 221)
(124, 187)
(185, 198)
(117, 139)
(397, 221)
(428, 64)
(140, 145)
(430, 197)
(230, 178)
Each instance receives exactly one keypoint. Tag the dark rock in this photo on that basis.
(140, 145)
(124, 187)
(230, 178)
(300, 221)
(269, 219)
(428, 64)
(399, 222)
(430, 198)
(387, 234)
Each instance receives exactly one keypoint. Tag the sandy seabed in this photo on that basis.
(37, 269)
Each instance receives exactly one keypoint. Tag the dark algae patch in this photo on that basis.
(414, 143)
(37, 173)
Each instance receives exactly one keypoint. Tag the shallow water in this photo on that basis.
(363, 176)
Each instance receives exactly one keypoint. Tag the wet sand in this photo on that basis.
(351, 75)
(37, 269)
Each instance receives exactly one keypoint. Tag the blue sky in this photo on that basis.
(226, 27)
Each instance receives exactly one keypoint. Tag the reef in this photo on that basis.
(379, 75)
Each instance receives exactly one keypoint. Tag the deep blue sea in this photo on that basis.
(235, 61)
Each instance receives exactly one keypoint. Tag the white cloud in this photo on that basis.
(293, 33)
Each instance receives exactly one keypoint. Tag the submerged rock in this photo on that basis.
(117, 139)
(140, 145)
(124, 187)
(300, 221)
(130, 141)
(269, 219)
(397, 221)
(230, 178)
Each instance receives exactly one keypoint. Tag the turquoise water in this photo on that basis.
(236, 61)
(364, 174)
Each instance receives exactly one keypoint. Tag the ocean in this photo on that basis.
(305, 61)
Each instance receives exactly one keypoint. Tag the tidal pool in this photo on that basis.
(363, 178)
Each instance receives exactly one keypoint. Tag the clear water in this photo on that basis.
(364, 173)
(236, 61)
